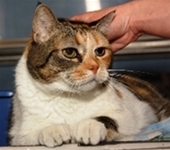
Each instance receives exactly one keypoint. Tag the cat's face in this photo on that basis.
(68, 56)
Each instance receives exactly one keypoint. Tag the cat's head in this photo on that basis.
(66, 55)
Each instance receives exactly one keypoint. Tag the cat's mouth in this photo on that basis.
(86, 84)
(92, 81)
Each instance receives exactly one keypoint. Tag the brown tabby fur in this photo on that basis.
(147, 93)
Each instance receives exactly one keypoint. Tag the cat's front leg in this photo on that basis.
(90, 131)
(55, 135)
(94, 131)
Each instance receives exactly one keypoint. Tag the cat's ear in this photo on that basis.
(44, 24)
(103, 23)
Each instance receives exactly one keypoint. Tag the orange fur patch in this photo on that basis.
(87, 64)
(118, 93)
(112, 135)
(80, 38)
(26, 51)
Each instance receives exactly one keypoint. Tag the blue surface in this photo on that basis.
(5, 105)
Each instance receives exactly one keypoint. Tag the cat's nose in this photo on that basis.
(94, 68)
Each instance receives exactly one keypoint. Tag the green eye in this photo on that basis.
(100, 51)
(70, 52)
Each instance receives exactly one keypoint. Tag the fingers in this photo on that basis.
(85, 17)
(123, 41)
(119, 32)
(92, 16)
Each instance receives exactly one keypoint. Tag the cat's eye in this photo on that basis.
(70, 52)
(100, 51)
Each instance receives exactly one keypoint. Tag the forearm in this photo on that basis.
(151, 17)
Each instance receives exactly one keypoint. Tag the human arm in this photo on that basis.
(133, 19)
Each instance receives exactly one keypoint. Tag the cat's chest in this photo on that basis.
(71, 109)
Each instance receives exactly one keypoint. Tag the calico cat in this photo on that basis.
(64, 93)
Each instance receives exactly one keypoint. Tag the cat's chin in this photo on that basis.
(87, 86)
(62, 87)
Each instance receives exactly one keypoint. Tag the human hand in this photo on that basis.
(120, 33)
(133, 19)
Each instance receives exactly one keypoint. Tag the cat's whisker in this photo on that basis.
(131, 82)
(107, 83)
(114, 78)
(135, 72)
(73, 86)
(59, 92)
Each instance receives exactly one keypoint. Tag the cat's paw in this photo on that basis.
(90, 131)
(55, 135)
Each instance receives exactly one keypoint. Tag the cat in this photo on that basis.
(64, 93)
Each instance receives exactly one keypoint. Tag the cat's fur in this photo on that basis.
(64, 92)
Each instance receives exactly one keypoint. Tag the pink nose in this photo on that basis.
(94, 68)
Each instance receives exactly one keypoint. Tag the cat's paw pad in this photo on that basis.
(55, 135)
(90, 132)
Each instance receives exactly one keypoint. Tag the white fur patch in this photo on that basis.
(90, 131)
(55, 135)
